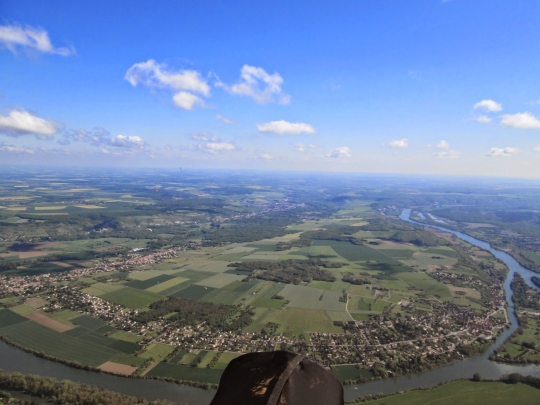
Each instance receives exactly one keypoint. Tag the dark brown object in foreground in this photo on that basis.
(280, 377)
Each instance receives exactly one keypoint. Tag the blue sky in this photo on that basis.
(426, 86)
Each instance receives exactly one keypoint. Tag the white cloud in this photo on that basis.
(224, 119)
(100, 137)
(300, 147)
(266, 156)
(20, 122)
(443, 145)
(344, 151)
(15, 37)
(521, 120)
(152, 74)
(255, 82)
(484, 119)
(286, 128)
(9, 148)
(122, 141)
(215, 147)
(508, 151)
(398, 143)
(447, 154)
(203, 136)
(488, 105)
(537, 148)
(187, 100)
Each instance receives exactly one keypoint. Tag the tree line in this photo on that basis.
(67, 392)
(289, 271)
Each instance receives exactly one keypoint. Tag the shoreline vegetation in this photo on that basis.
(507, 389)
(77, 365)
(65, 391)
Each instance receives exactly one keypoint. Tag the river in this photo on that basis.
(12, 359)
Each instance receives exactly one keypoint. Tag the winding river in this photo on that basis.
(12, 359)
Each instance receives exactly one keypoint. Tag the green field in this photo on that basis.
(467, 393)
(223, 296)
(343, 373)
(225, 359)
(427, 284)
(184, 373)
(166, 285)
(8, 318)
(151, 282)
(297, 321)
(127, 336)
(131, 298)
(268, 303)
(157, 351)
(353, 253)
(22, 309)
(194, 292)
(40, 338)
(89, 322)
(444, 251)
(219, 280)
(310, 298)
(357, 303)
(398, 253)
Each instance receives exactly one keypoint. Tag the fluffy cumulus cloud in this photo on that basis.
(286, 128)
(521, 120)
(256, 83)
(488, 105)
(186, 100)
(186, 82)
(123, 141)
(20, 122)
(9, 148)
(447, 154)
(216, 147)
(398, 143)
(344, 151)
(484, 119)
(508, 151)
(15, 38)
(265, 156)
(443, 145)
(537, 148)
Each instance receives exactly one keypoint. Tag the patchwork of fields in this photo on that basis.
(363, 279)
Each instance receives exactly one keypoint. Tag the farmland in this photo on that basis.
(466, 392)
(104, 277)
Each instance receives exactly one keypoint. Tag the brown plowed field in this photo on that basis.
(48, 322)
(117, 368)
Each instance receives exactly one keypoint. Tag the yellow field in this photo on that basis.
(16, 208)
(57, 207)
(90, 207)
(167, 284)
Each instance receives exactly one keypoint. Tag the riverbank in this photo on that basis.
(466, 392)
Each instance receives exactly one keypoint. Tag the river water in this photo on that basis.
(12, 359)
